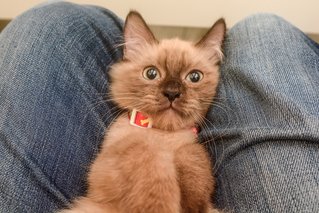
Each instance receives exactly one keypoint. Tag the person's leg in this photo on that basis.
(265, 124)
(53, 64)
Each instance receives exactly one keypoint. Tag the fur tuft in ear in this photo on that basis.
(212, 41)
(136, 34)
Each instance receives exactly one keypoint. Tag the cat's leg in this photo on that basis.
(53, 64)
(195, 178)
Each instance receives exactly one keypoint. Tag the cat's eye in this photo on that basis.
(194, 76)
(151, 73)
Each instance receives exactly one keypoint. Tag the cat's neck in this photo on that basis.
(141, 120)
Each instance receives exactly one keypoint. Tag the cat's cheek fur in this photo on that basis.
(129, 88)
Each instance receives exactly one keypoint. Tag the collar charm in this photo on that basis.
(140, 120)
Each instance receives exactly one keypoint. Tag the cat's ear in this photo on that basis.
(212, 41)
(136, 34)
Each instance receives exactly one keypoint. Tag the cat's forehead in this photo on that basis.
(176, 56)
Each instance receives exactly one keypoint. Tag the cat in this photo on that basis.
(150, 160)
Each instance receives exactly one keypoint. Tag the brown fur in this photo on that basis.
(161, 169)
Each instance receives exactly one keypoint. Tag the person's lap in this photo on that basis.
(53, 80)
(265, 124)
(53, 72)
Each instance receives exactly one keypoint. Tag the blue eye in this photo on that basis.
(151, 73)
(194, 76)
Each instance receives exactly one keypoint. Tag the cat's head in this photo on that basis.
(172, 81)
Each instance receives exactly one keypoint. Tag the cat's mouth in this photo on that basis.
(170, 107)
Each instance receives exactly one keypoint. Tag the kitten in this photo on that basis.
(168, 85)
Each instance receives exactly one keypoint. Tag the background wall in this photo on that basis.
(194, 13)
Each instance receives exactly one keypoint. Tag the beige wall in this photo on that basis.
(201, 13)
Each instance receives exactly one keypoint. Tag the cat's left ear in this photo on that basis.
(213, 40)
(136, 34)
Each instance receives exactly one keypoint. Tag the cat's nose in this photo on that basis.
(171, 95)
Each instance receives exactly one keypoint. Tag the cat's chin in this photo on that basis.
(171, 119)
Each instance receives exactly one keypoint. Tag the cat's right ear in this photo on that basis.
(136, 34)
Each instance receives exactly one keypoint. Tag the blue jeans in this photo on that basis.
(262, 131)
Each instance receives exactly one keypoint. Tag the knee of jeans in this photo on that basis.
(63, 17)
(261, 23)
(49, 14)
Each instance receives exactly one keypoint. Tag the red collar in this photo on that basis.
(138, 119)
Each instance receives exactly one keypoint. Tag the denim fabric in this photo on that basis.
(265, 123)
(263, 130)
(53, 63)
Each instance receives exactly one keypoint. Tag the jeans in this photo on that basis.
(262, 131)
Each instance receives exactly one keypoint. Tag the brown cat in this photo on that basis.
(166, 85)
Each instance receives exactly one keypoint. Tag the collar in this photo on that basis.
(139, 120)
